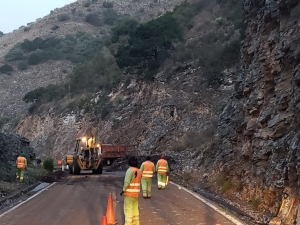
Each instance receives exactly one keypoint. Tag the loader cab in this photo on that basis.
(87, 148)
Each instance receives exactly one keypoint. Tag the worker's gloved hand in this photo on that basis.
(122, 193)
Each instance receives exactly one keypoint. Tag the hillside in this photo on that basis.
(168, 79)
(60, 22)
(142, 89)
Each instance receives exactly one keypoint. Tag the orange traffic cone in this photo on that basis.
(110, 211)
(104, 220)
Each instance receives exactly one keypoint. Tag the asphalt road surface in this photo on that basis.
(82, 200)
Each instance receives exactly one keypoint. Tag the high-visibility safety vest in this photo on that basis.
(162, 166)
(21, 162)
(134, 187)
(148, 169)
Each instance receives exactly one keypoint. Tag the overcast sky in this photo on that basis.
(15, 13)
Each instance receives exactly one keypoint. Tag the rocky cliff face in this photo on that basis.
(11, 145)
(259, 128)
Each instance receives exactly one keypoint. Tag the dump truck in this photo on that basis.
(91, 156)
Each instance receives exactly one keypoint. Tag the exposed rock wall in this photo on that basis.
(259, 129)
(151, 116)
(11, 145)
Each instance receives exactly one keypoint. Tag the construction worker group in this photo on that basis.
(136, 176)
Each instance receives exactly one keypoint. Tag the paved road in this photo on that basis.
(82, 200)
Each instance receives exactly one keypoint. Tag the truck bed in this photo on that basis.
(117, 151)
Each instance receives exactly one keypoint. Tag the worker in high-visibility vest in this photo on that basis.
(131, 191)
(21, 165)
(162, 170)
(147, 169)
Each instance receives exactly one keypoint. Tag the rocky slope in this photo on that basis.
(259, 128)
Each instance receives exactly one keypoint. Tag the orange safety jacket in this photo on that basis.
(148, 169)
(21, 162)
(162, 166)
(133, 189)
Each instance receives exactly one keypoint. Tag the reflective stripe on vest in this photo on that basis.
(162, 166)
(148, 169)
(21, 162)
(133, 189)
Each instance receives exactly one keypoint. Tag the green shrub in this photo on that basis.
(220, 179)
(109, 17)
(150, 44)
(123, 27)
(6, 69)
(23, 65)
(231, 2)
(228, 184)
(99, 73)
(37, 57)
(32, 108)
(108, 4)
(255, 203)
(48, 164)
(3, 121)
(39, 43)
(1, 33)
(34, 174)
(78, 47)
(86, 3)
(46, 94)
(63, 17)
(16, 53)
(93, 19)
(7, 174)
(54, 27)
(27, 28)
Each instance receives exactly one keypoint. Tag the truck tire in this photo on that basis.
(76, 168)
(71, 168)
(98, 170)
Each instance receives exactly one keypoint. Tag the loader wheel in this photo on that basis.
(76, 168)
(71, 168)
(98, 170)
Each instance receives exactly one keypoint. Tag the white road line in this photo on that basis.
(36, 194)
(219, 210)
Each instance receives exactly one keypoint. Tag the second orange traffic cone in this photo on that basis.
(104, 220)
(110, 211)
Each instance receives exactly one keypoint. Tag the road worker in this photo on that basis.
(21, 165)
(131, 191)
(147, 169)
(162, 170)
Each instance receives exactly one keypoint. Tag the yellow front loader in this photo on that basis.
(91, 156)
